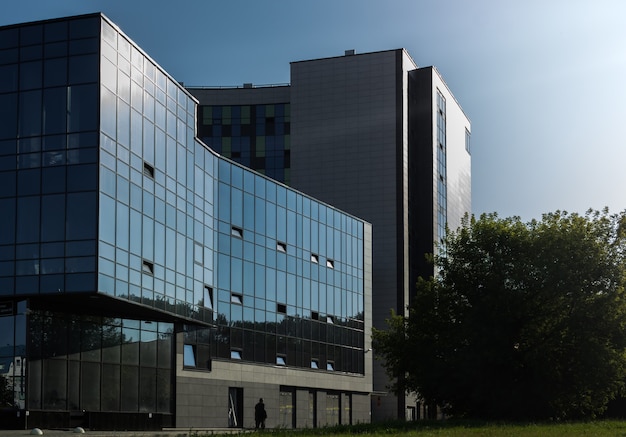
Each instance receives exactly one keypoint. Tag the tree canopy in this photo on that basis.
(523, 320)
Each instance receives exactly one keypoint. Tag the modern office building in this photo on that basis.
(372, 134)
(146, 281)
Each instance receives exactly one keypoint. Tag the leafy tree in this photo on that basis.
(6, 393)
(524, 320)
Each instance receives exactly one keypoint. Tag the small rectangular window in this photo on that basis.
(330, 263)
(467, 141)
(330, 366)
(280, 360)
(315, 258)
(235, 354)
(236, 298)
(236, 232)
(315, 364)
(330, 320)
(281, 247)
(208, 297)
(148, 170)
(189, 355)
(315, 315)
(147, 267)
(281, 308)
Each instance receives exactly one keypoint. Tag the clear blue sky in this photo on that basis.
(543, 81)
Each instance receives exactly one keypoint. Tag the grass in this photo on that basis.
(603, 428)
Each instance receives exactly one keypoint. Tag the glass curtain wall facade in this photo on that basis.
(123, 230)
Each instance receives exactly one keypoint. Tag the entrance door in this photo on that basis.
(235, 407)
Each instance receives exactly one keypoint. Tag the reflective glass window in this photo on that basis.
(8, 78)
(54, 110)
(9, 38)
(55, 31)
(82, 108)
(28, 219)
(81, 216)
(85, 27)
(83, 46)
(8, 114)
(53, 218)
(30, 113)
(30, 75)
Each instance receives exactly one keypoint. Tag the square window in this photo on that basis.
(330, 320)
(236, 299)
(236, 232)
(280, 360)
(235, 354)
(330, 263)
(147, 267)
(281, 308)
(330, 366)
(281, 247)
(315, 315)
(315, 364)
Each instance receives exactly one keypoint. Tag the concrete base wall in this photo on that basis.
(203, 401)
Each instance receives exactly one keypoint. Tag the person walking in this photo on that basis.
(260, 415)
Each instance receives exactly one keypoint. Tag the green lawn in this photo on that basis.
(461, 429)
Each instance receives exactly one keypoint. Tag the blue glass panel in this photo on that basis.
(55, 49)
(7, 221)
(108, 113)
(123, 123)
(148, 238)
(81, 216)
(82, 177)
(55, 72)
(224, 202)
(9, 38)
(270, 224)
(29, 113)
(236, 284)
(53, 218)
(7, 184)
(30, 75)
(28, 182)
(85, 27)
(56, 31)
(30, 53)
(9, 56)
(54, 110)
(107, 219)
(8, 115)
(281, 224)
(83, 46)
(8, 78)
(123, 226)
(135, 232)
(237, 207)
(82, 110)
(28, 219)
(223, 271)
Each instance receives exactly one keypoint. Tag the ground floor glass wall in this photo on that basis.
(99, 364)
(12, 354)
